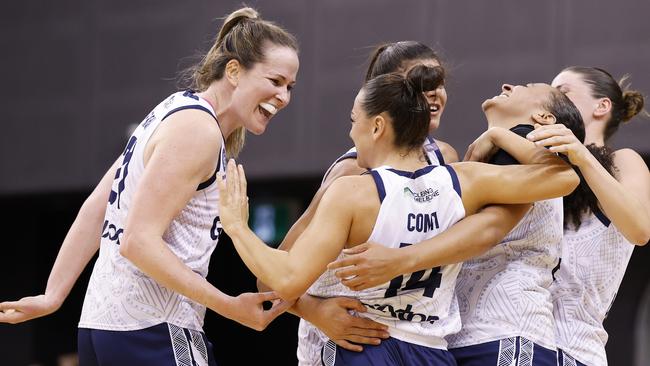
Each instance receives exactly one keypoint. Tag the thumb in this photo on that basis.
(268, 296)
(356, 249)
(353, 304)
(468, 153)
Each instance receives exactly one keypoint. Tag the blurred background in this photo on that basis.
(78, 75)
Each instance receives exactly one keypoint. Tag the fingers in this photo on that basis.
(242, 181)
(12, 316)
(554, 141)
(548, 131)
(368, 328)
(345, 262)
(363, 340)
(468, 154)
(8, 305)
(347, 272)
(356, 249)
(233, 180)
(352, 304)
(278, 308)
(223, 190)
(355, 284)
(267, 296)
(348, 346)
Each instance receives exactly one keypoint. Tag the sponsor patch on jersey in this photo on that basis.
(424, 196)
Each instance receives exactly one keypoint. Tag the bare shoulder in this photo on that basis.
(193, 123)
(350, 191)
(448, 151)
(352, 185)
(345, 167)
(628, 161)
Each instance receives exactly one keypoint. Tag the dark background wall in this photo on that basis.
(76, 74)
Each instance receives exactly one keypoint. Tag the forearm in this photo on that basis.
(304, 306)
(526, 152)
(620, 205)
(271, 267)
(469, 238)
(154, 258)
(79, 246)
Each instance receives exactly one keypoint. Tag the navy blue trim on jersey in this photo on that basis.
(381, 190)
(348, 155)
(200, 107)
(418, 173)
(454, 180)
(436, 149)
(210, 180)
(213, 178)
(601, 216)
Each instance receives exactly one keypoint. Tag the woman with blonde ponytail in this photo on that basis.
(154, 216)
(605, 217)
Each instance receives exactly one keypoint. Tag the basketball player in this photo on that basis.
(333, 315)
(156, 211)
(604, 217)
(503, 294)
(402, 201)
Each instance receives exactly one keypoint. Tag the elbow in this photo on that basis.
(640, 237)
(290, 287)
(130, 246)
(570, 180)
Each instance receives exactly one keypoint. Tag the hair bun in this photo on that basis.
(424, 78)
(633, 104)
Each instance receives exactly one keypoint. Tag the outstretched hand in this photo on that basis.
(26, 309)
(233, 202)
(481, 149)
(559, 139)
(332, 317)
(367, 265)
(249, 309)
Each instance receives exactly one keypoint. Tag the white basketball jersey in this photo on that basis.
(505, 292)
(121, 297)
(431, 152)
(420, 307)
(310, 339)
(594, 259)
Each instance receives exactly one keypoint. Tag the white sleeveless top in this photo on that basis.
(594, 259)
(121, 297)
(505, 292)
(419, 308)
(310, 339)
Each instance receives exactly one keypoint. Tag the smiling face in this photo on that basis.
(265, 89)
(437, 98)
(519, 102)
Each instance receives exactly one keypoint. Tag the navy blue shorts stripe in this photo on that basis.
(519, 351)
(390, 352)
(162, 344)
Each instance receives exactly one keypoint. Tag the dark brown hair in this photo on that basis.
(625, 103)
(402, 98)
(391, 57)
